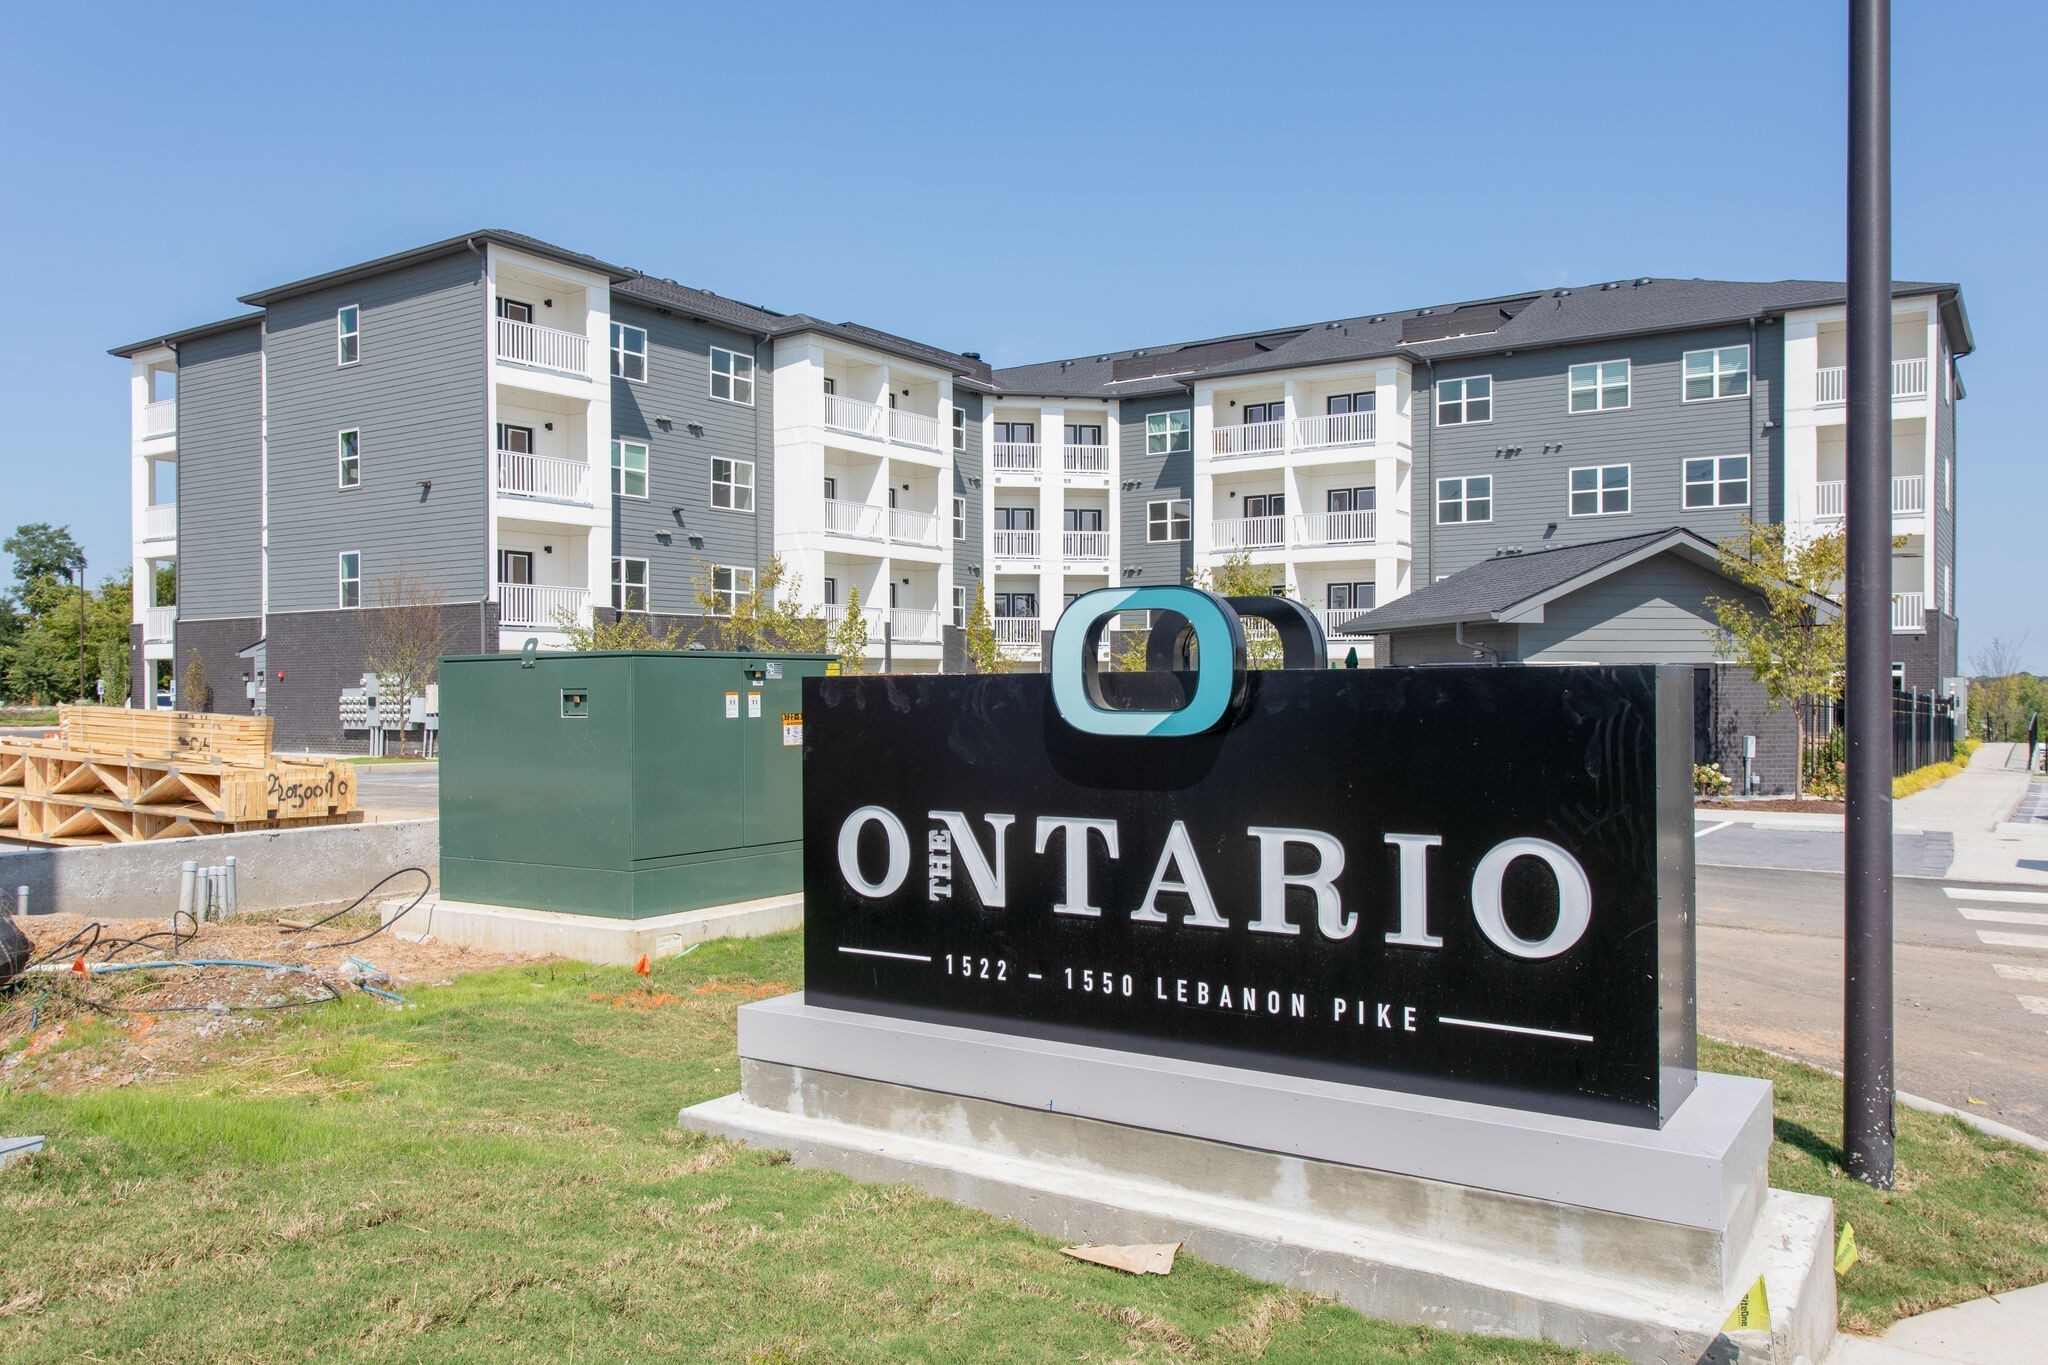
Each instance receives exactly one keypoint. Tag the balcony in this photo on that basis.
(160, 419)
(1017, 631)
(1249, 533)
(1086, 459)
(862, 520)
(1016, 544)
(1831, 382)
(1338, 620)
(1908, 611)
(544, 348)
(531, 604)
(1336, 528)
(1335, 429)
(1082, 544)
(914, 528)
(913, 626)
(160, 521)
(543, 477)
(1015, 457)
(157, 624)
(1909, 497)
(1251, 438)
(835, 612)
(878, 423)
(914, 429)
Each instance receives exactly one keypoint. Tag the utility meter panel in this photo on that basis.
(624, 785)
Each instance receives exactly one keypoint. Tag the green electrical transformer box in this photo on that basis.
(624, 785)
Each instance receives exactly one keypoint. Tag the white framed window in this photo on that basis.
(1598, 386)
(1719, 373)
(629, 353)
(1948, 482)
(629, 469)
(959, 518)
(351, 578)
(960, 607)
(1898, 676)
(959, 428)
(1169, 433)
(730, 585)
(732, 484)
(348, 459)
(1717, 481)
(1462, 501)
(732, 376)
(1166, 520)
(1461, 402)
(629, 585)
(1600, 490)
(348, 334)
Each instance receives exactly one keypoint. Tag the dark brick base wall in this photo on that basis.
(218, 645)
(1729, 703)
(319, 653)
(138, 680)
(1929, 657)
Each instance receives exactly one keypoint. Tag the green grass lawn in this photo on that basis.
(497, 1173)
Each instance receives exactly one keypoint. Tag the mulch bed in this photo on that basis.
(1803, 805)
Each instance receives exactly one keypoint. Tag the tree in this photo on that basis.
(113, 672)
(405, 632)
(1795, 649)
(770, 615)
(196, 694)
(1238, 576)
(632, 630)
(40, 550)
(850, 635)
(1995, 690)
(982, 651)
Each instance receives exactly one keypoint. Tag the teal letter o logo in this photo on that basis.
(1220, 662)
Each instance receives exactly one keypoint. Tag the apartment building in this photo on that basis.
(525, 433)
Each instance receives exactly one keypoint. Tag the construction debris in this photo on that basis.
(121, 776)
(1143, 1258)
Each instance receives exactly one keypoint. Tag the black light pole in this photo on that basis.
(79, 568)
(1867, 1082)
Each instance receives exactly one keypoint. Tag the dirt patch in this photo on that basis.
(1803, 805)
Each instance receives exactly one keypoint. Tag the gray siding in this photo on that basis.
(1439, 645)
(1944, 664)
(679, 459)
(220, 476)
(1652, 613)
(970, 472)
(1159, 564)
(417, 396)
(1534, 441)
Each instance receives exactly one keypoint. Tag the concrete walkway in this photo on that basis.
(2007, 1330)
(1977, 806)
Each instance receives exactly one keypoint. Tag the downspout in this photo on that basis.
(1428, 477)
(1487, 652)
(483, 606)
(1752, 420)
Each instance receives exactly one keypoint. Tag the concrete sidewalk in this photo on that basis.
(2007, 1329)
(1977, 806)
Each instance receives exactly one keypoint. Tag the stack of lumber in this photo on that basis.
(113, 776)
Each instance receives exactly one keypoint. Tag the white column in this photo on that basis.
(1203, 510)
(1052, 502)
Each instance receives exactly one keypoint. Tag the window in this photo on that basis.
(1016, 433)
(348, 455)
(516, 440)
(351, 578)
(729, 586)
(515, 567)
(732, 484)
(959, 429)
(1601, 386)
(732, 376)
(1011, 606)
(1948, 591)
(1352, 499)
(629, 585)
(1464, 500)
(959, 518)
(1345, 600)
(1169, 433)
(1166, 520)
(1948, 482)
(1721, 481)
(1599, 490)
(629, 469)
(1016, 518)
(1338, 404)
(1722, 373)
(831, 489)
(348, 335)
(512, 310)
(960, 607)
(1898, 676)
(1264, 412)
(1084, 519)
(629, 352)
(1460, 402)
(1080, 434)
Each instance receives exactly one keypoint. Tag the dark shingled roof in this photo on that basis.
(699, 303)
(517, 240)
(206, 329)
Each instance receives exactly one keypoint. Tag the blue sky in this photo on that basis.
(1029, 182)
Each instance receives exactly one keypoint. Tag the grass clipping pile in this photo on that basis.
(75, 1029)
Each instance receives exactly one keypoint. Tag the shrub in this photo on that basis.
(1709, 780)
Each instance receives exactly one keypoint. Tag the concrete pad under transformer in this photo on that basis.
(1410, 1208)
(591, 938)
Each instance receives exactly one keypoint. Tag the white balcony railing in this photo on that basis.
(913, 528)
(835, 612)
(1016, 544)
(1908, 609)
(157, 623)
(1335, 429)
(1335, 528)
(1249, 533)
(1338, 620)
(1831, 382)
(1015, 457)
(1085, 544)
(160, 521)
(914, 429)
(1909, 497)
(844, 517)
(532, 604)
(1087, 459)
(544, 348)
(543, 476)
(160, 418)
(913, 625)
(1017, 630)
(854, 417)
(1251, 438)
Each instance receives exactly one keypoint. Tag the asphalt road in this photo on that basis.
(398, 791)
(1971, 994)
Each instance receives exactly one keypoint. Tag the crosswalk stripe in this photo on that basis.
(2033, 1004)
(1962, 893)
(2013, 973)
(1998, 940)
(2030, 917)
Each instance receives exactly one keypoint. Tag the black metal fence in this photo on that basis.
(1923, 732)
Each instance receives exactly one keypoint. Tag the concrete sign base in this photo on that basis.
(1409, 1208)
(590, 938)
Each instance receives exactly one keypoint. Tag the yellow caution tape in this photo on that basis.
(1846, 1254)
(1753, 1313)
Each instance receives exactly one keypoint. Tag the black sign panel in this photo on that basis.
(1467, 882)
